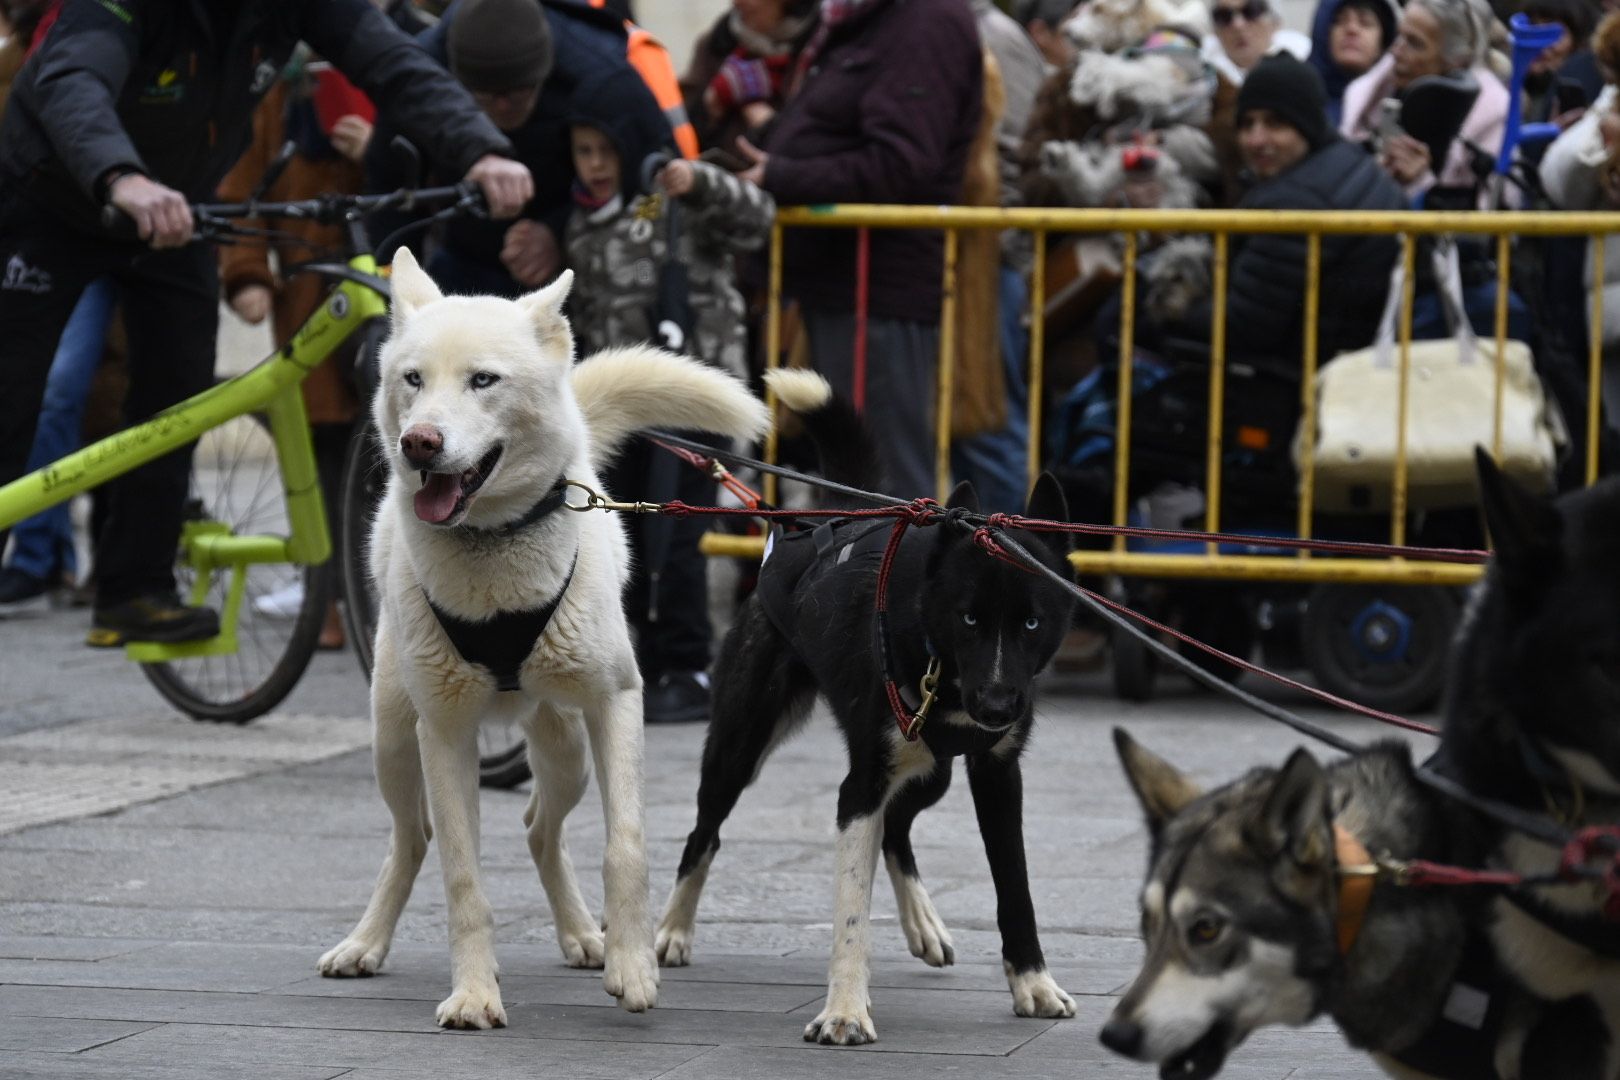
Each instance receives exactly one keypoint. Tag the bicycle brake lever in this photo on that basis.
(472, 201)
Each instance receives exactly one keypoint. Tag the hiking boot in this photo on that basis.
(678, 697)
(160, 618)
(22, 593)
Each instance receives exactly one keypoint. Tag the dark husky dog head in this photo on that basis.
(1236, 911)
(994, 625)
(997, 626)
(1535, 680)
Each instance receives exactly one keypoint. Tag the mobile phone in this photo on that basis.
(1388, 124)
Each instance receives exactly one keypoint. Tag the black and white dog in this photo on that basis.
(985, 628)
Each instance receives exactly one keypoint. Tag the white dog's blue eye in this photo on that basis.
(1032, 623)
(413, 378)
(970, 619)
(484, 379)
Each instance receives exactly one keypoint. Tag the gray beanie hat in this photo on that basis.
(499, 45)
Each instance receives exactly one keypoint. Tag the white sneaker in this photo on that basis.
(284, 603)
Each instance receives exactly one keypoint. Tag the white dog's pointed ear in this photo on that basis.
(545, 305)
(412, 288)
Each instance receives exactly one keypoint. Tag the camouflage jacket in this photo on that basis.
(616, 253)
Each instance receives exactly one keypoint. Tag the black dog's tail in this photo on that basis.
(849, 454)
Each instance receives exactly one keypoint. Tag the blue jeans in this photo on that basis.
(44, 542)
(995, 460)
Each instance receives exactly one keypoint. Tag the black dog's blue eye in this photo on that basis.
(1032, 623)
(484, 379)
(970, 619)
(413, 378)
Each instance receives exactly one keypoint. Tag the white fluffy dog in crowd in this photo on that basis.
(483, 415)
(1110, 25)
(1149, 100)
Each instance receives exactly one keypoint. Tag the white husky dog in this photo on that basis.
(482, 415)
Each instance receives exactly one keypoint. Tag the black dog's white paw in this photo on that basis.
(1036, 993)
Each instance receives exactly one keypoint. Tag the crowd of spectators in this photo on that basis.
(1108, 103)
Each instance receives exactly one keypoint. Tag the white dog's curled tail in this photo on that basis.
(799, 390)
(625, 390)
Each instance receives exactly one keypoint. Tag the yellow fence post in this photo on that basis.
(1397, 526)
(773, 349)
(1127, 347)
(1502, 286)
(1037, 358)
(1594, 374)
(947, 372)
(1217, 395)
(1307, 390)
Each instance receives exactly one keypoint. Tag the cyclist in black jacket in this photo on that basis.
(146, 104)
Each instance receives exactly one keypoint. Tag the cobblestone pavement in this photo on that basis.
(165, 888)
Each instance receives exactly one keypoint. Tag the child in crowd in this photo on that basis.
(621, 249)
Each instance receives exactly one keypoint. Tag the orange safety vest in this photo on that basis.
(651, 61)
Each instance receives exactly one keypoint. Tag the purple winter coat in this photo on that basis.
(885, 115)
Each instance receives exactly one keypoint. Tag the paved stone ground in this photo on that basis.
(165, 888)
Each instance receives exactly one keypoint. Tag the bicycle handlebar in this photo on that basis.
(212, 219)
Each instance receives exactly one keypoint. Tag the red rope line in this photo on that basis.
(917, 514)
(745, 494)
(1017, 521)
(1592, 854)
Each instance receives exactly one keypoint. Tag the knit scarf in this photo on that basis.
(833, 12)
(742, 79)
(592, 206)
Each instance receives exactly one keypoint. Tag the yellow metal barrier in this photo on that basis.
(1300, 566)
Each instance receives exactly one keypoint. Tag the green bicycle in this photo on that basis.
(255, 521)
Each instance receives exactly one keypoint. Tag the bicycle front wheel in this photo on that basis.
(236, 481)
(364, 476)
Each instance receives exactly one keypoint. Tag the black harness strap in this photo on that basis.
(502, 642)
(1461, 1043)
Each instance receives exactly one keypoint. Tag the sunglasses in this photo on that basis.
(1253, 11)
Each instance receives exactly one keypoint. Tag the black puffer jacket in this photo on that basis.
(168, 89)
(1266, 291)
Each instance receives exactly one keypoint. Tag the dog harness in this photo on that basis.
(501, 643)
(1461, 1043)
(807, 571)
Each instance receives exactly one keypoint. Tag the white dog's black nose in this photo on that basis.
(421, 444)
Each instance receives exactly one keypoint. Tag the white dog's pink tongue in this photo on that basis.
(436, 500)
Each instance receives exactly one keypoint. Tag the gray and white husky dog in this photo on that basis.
(1249, 912)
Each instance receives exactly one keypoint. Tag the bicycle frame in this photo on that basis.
(271, 387)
